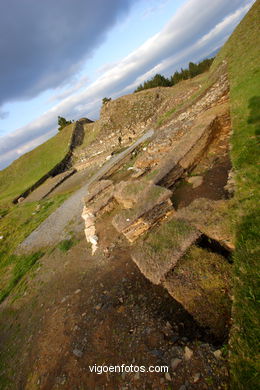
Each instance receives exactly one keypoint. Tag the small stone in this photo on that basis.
(61, 380)
(196, 377)
(168, 376)
(196, 181)
(93, 240)
(121, 309)
(77, 352)
(98, 307)
(121, 300)
(187, 353)
(175, 362)
(77, 291)
(217, 354)
(90, 232)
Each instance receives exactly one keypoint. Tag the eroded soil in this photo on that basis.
(81, 310)
(213, 170)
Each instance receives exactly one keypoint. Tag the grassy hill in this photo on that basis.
(242, 55)
(29, 168)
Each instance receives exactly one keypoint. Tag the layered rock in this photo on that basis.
(187, 152)
(195, 277)
(98, 200)
(166, 244)
(160, 250)
(211, 218)
(144, 206)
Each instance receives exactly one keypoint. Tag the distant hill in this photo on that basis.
(30, 167)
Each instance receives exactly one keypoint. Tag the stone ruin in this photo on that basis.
(164, 242)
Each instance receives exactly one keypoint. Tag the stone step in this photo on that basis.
(160, 251)
(200, 281)
(144, 206)
(211, 217)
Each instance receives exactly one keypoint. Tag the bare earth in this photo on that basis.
(81, 310)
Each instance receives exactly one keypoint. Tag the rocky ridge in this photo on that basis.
(173, 247)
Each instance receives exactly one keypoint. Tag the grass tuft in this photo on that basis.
(65, 245)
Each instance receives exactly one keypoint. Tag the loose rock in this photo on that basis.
(187, 353)
(175, 362)
(77, 352)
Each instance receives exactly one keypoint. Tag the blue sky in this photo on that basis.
(65, 63)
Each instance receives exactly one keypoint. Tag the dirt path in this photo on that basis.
(68, 216)
(103, 311)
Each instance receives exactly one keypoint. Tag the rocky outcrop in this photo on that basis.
(144, 206)
(183, 123)
(196, 278)
(211, 218)
(98, 200)
(160, 251)
(125, 119)
(184, 153)
(166, 244)
(200, 281)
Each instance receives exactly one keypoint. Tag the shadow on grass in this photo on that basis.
(254, 116)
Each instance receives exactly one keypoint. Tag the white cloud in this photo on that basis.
(75, 86)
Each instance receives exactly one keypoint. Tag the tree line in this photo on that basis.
(193, 70)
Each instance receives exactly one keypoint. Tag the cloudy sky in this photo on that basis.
(62, 57)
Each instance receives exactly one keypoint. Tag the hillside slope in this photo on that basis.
(242, 54)
(30, 167)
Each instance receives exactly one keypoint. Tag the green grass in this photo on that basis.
(30, 167)
(242, 54)
(22, 265)
(166, 116)
(167, 237)
(65, 245)
(91, 132)
(17, 224)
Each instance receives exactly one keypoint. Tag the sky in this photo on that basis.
(60, 58)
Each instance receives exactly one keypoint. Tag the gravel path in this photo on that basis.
(53, 229)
